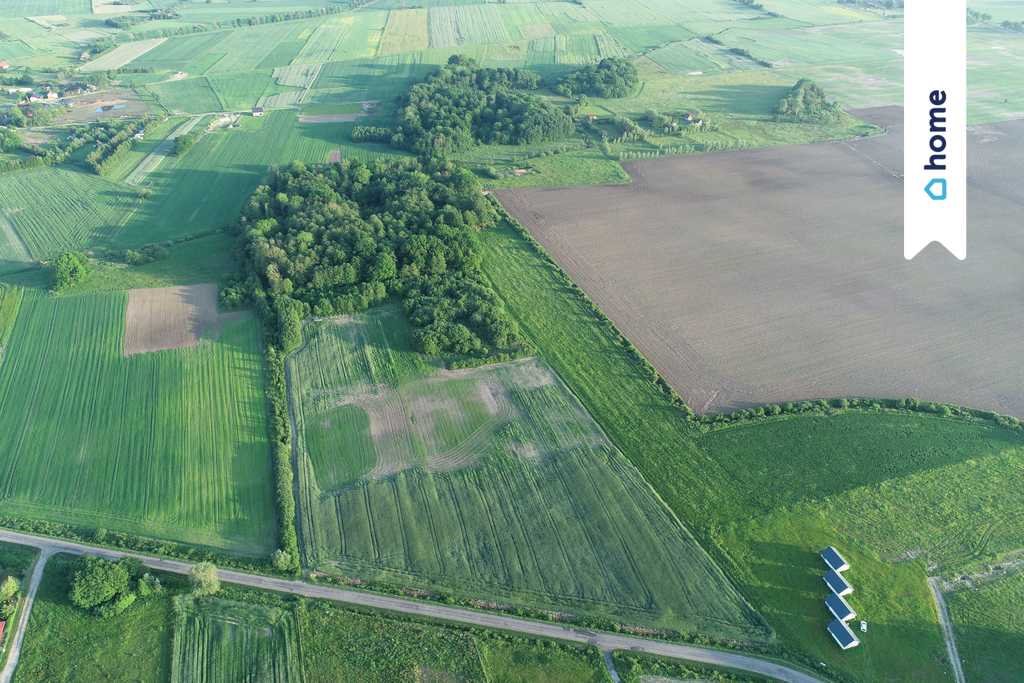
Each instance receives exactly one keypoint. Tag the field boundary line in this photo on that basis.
(947, 629)
(600, 639)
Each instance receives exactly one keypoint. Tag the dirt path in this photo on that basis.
(609, 664)
(599, 639)
(947, 629)
(161, 151)
(23, 615)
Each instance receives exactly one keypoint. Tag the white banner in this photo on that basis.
(935, 126)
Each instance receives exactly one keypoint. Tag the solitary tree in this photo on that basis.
(8, 588)
(204, 579)
(97, 581)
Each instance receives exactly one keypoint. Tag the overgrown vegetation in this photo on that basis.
(463, 104)
(640, 668)
(108, 588)
(806, 102)
(336, 239)
(612, 77)
(68, 269)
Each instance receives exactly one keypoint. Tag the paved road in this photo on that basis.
(947, 629)
(26, 610)
(599, 639)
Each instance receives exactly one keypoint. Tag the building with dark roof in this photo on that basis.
(834, 560)
(842, 634)
(839, 608)
(837, 584)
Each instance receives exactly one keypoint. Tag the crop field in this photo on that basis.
(405, 31)
(222, 640)
(240, 91)
(49, 210)
(988, 625)
(455, 26)
(840, 337)
(121, 55)
(87, 437)
(402, 463)
(31, 8)
(189, 95)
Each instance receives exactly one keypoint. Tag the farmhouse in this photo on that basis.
(4, 66)
(839, 608)
(834, 560)
(837, 584)
(842, 634)
(257, 111)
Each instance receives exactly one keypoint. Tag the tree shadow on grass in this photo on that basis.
(742, 100)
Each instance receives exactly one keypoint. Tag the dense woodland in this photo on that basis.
(335, 239)
(806, 102)
(462, 104)
(612, 77)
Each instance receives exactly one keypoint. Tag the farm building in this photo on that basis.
(834, 560)
(839, 608)
(842, 634)
(837, 584)
(257, 111)
(4, 66)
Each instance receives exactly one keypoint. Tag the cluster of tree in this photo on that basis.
(874, 4)
(745, 54)
(107, 588)
(34, 114)
(976, 17)
(141, 256)
(462, 104)
(114, 140)
(57, 152)
(68, 269)
(125, 21)
(10, 141)
(339, 238)
(371, 134)
(752, 4)
(10, 590)
(1015, 26)
(806, 102)
(23, 79)
(612, 77)
(183, 143)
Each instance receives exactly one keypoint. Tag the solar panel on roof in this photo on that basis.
(836, 583)
(839, 608)
(842, 634)
(834, 560)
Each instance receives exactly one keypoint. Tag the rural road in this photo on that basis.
(602, 640)
(161, 151)
(947, 629)
(26, 610)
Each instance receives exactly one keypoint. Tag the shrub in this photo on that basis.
(98, 581)
(205, 580)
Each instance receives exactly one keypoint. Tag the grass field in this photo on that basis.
(170, 445)
(412, 473)
(405, 31)
(988, 627)
(639, 668)
(222, 640)
(519, 661)
(65, 643)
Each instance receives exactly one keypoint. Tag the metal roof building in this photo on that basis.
(839, 608)
(842, 634)
(834, 560)
(837, 584)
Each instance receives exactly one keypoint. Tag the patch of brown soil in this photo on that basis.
(169, 318)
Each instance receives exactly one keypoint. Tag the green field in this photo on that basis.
(221, 640)
(416, 474)
(66, 643)
(988, 627)
(169, 444)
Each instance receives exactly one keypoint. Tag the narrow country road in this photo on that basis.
(947, 629)
(23, 615)
(160, 152)
(600, 639)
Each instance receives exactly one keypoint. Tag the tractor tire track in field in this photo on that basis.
(602, 640)
(947, 629)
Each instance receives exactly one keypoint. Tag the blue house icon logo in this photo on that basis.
(936, 189)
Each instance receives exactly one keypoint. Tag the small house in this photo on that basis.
(257, 111)
(139, 136)
(837, 584)
(834, 560)
(842, 634)
(4, 66)
(839, 608)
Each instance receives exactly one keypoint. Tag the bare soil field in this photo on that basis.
(777, 275)
(104, 105)
(169, 318)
